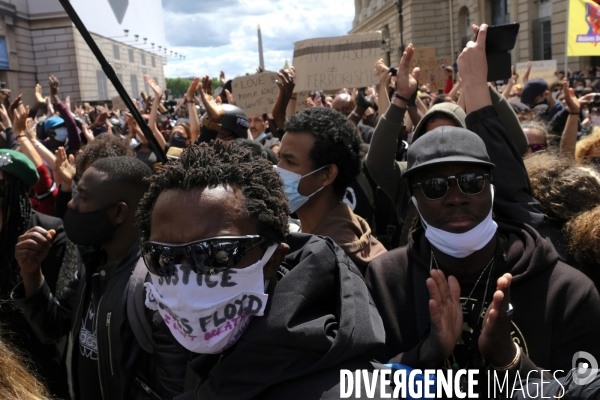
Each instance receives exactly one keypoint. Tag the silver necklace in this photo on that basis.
(478, 279)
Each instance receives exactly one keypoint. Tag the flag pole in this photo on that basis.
(567, 43)
(110, 74)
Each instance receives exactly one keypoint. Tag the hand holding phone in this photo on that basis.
(500, 40)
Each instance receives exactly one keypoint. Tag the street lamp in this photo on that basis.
(400, 25)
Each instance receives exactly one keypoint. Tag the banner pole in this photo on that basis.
(567, 42)
(112, 76)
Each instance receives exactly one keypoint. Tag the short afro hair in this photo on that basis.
(224, 163)
(336, 142)
(124, 170)
(103, 146)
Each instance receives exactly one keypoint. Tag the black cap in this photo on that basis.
(446, 144)
(235, 120)
(532, 89)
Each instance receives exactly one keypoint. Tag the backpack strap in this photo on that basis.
(136, 308)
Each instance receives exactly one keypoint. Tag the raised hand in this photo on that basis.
(54, 85)
(446, 319)
(192, 89)
(207, 85)
(215, 111)
(30, 130)
(20, 123)
(39, 98)
(571, 100)
(406, 84)
(4, 116)
(381, 70)
(222, 78)
(230, 99)
(472, 62)
(153, 85)
(285, 81)
(66, 168)
(495, 343)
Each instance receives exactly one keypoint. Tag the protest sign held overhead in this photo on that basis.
(431, 71)
(544, 69)
(337, 62)
(256, 94)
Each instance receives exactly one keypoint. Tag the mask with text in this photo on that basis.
(208, 313)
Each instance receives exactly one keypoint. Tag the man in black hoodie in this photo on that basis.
(265, 314)
(508, 304)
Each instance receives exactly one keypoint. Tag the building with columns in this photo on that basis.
(445, 24)
(37, 39)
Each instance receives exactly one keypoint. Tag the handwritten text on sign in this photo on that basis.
(539, 69)
(432, 73)
(337, 62)
(256, 94)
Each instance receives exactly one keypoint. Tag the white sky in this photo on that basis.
(220, 35)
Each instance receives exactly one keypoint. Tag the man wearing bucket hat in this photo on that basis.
(469, 290)
(17, 176)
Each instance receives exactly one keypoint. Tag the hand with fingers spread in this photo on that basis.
(66, 168)
(446, 319)
(495, 343)
(215, 111)
(153, 85)
(14, 105)
(20, 121)
(207, 85)
(31, 250)
(30, 130)
(406, 84)
(54, 89)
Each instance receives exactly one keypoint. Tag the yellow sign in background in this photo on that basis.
(584, 28)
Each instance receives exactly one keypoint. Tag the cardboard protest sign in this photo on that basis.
(301, 100)
(431, 68)
(255, 94)
(539, 69)
(337, 62)
(118, 103)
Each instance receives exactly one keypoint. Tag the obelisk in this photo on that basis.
(261, 58)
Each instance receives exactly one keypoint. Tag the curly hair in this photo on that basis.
(223, 163)
(563, 189)
(586, 144)
(103, 146)
(336, 142)
(583, 236)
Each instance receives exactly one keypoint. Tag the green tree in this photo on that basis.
(178, 86)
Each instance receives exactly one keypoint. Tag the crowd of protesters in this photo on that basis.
(380, 227)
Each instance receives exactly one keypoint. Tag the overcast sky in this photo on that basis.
(221, 34)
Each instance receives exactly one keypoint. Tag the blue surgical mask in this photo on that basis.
(61, 134)
(260, 137)
(291, 181)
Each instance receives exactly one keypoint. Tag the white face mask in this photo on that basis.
(291, 181)
(208, 313)
(61, 134)
(461, 245)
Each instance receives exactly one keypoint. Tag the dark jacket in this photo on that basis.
(556, 307)
(121, 361)
(319, 319)
(47, 357)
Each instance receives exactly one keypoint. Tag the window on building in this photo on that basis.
(120, 77)
(500, 12)
(130, 56)
(542, 39)
(3, 54)
(117, 52)
(134, 87)
(143, 59)
(153, 62)
(464, 23)
(102, 85)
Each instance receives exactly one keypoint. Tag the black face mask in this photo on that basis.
(88, 229)
(178, 141)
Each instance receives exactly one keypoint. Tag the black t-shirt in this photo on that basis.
(87, 363)
(148, 157)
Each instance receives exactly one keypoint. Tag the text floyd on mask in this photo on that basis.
(456, 212)
(185, 216)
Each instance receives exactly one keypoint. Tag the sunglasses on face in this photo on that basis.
(470, 183)
(537, 147)
(206, 256)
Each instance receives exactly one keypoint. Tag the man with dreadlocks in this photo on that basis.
(267, 314)
(17, 176)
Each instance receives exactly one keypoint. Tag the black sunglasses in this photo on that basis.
(537, 147)
(205, 256)
(470, 183)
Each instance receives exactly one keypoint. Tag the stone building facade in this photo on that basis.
(39, 40)
(445, 24)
